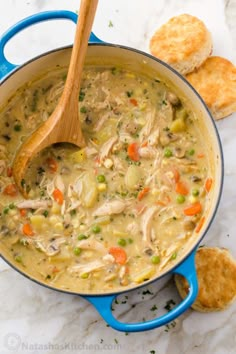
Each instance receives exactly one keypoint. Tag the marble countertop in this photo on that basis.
(34, 319)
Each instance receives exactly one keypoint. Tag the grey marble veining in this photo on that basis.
(34, 319)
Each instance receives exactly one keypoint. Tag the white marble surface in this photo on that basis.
(36, 320)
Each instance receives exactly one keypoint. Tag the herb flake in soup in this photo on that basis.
(122, 210)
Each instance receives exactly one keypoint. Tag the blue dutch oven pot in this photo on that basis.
(186, 267)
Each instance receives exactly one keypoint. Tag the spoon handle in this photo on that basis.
(83, 30)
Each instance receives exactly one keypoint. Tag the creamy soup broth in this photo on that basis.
(118, 212)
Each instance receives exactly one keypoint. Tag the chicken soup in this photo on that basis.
(118, 212)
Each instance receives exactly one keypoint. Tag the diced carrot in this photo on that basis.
(200, 224)
(55, 270)
(23, 212)
(193, 209)
(119, 254)
(140, 208)
(208, 184)
(9, 171)
(166, 200)
(176, 175)
(10, 190)
(27, 230)
(160, 202)
(97, 160)
(133, 101)
(52, 164)
(181, 188)
(143, 192)
(200, 156)
(144, 144)
(133, 152)
(58, 196)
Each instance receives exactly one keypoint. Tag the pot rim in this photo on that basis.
(221, 177)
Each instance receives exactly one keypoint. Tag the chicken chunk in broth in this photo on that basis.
(123, 209)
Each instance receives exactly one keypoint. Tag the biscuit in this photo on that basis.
(215, 81)
(216, 273)
(183, 42)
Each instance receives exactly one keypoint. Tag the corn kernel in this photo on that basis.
(108, 163)
(102, 187)
(56, 208)
(53, 219)
(37, 220)
(192, 199)
(130, 75)
(58, 226)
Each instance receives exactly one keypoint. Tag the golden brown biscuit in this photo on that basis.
(183, 42)
(215, 81)
(216, 273)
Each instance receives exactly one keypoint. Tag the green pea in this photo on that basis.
(174, 256)
(18, 259)
(82, 237)
(168, 152)
(77, 251)
(121, 242)
(195, 192)
(45, 213)
(5, 210)
(96, 229)
(11, 206)
(180, 199)
(130, 240)
(84, 275)
(17, 127)
(155, 259)
(83, 109)
(101, 178)
(191, 152)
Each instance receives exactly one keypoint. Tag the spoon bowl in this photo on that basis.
(64, 124)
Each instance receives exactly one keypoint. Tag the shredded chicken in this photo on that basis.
(50, 248)
(2, 166)
(86, 268)
(101, 122)
(146, 225)
(110, 207)
(91, 244)
(106, 147)
(148, 128)
(147, 152)
(34, 204)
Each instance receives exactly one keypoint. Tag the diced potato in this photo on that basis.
(132, 177)
(146, 274)
(178, 125)
(63, 256)
(37, 221)
(103, 220)
(89, 191)
(58, 227)
(79, 156)
(120, 233)
(56, 208)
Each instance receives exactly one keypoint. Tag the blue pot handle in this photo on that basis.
(5, 66)
(103, 304)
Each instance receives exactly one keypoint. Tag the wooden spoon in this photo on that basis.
(64, 124)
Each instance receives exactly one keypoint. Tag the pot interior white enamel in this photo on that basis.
(131, 60)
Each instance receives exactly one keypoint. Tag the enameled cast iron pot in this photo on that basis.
(12, 77)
